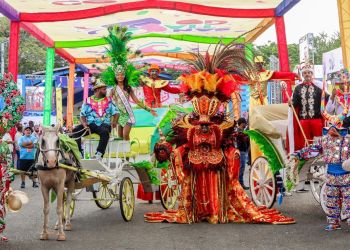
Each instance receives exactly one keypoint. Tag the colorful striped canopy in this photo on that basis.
(161, 28)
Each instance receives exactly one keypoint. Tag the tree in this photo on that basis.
(270, 49)
(32, 54)
(322, 43)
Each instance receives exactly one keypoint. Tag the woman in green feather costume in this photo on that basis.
(120, 95)
(123, 76)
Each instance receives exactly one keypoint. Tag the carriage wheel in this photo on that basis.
(105, 196)
(72, 205)
(262, 183)
(323, 197)
(169, 189)
(126, 199)
(317, 180)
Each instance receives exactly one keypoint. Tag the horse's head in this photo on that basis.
(49, 146)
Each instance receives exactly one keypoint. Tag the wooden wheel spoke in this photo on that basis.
(256, 187)
(269, 187)
(267, 180)
(267, 196)
(264, 196)
(165, 193)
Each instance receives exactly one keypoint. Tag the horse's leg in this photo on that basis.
(45, 192)
(60, 191)
(68, 225)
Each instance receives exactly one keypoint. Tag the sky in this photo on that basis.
(307, 16)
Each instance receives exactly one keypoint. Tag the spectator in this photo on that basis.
(19, 134)
(243, 146)
(27, 153)
(31, 124)
(36, 131)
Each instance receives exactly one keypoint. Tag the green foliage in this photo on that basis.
(323, 42)
(142, 164)
(270, 49)
(32, 54)
(152, 172)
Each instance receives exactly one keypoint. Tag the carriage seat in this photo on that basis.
(112, 153)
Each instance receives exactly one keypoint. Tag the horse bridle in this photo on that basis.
(44, 151)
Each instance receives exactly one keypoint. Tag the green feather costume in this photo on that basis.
(118, 52)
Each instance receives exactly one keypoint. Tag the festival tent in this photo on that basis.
(75, 30)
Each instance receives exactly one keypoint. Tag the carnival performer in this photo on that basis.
(5, 163)
(205, 160)
(335, 148)
(121, 94)
(98, 114)
(153, 86)
(339, 98)
(306, 101)
(122, 76)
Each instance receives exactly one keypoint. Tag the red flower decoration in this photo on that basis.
(8, 116)
(20, 109)
(8, 101)
(7, 77)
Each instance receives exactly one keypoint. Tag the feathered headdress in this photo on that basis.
(118, 52)
(214, 78)
(213, 75)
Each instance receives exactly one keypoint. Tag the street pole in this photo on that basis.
(2, 58)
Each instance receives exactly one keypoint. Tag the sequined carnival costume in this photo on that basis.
(204, 158)
(335, 148)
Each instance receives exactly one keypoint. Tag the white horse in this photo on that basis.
(55, 178)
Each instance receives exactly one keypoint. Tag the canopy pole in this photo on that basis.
(70, 100)
(86, 85)
(50, 59)
(13, 49)
(59, 110)
(283, 52)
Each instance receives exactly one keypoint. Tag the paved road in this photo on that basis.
(94, 228)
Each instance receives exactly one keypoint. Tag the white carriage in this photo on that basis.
(271, 168)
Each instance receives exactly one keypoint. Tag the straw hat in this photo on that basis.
(15, 200)
(98, 84)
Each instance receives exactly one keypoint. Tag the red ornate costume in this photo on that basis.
(153, 86)
(204, 159)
